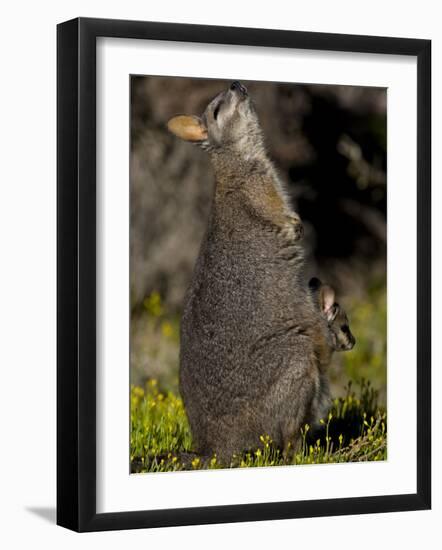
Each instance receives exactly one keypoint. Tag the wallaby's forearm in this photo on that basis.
(269, 207)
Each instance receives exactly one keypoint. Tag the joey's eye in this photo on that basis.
(345, 328)
(216, 111)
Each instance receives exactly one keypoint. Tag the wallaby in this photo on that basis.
(251, 334)
(339, 338)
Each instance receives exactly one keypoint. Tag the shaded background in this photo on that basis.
(329, 145)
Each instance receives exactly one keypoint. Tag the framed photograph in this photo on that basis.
(243, 274)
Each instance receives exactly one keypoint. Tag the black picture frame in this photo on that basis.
(76, 273)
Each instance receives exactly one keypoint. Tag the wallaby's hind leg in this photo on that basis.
(233, 434)
(298, 415)
(292, 438)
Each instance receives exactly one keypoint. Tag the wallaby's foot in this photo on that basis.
(290, 449)
(293, 229)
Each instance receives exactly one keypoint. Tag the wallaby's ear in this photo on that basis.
(187, 127)
(327, 300)
(314, 283)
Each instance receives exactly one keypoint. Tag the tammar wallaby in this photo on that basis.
(339, 338)
(251, 334)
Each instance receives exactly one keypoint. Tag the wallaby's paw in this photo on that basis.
(293, 229)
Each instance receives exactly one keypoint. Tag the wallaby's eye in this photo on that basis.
(345, 329)
(216, 111)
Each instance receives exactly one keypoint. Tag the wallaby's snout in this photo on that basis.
(236, 86)
(228, 111)
(351, 341)
(345, 341)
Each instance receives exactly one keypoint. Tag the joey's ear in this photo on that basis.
(189, 128)
(314, 283)
(327, 300)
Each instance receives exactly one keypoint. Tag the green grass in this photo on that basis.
(368, 321)
(354, 431)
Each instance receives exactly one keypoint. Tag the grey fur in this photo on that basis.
(254, 346)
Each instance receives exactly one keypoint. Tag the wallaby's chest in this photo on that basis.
(244, 284)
